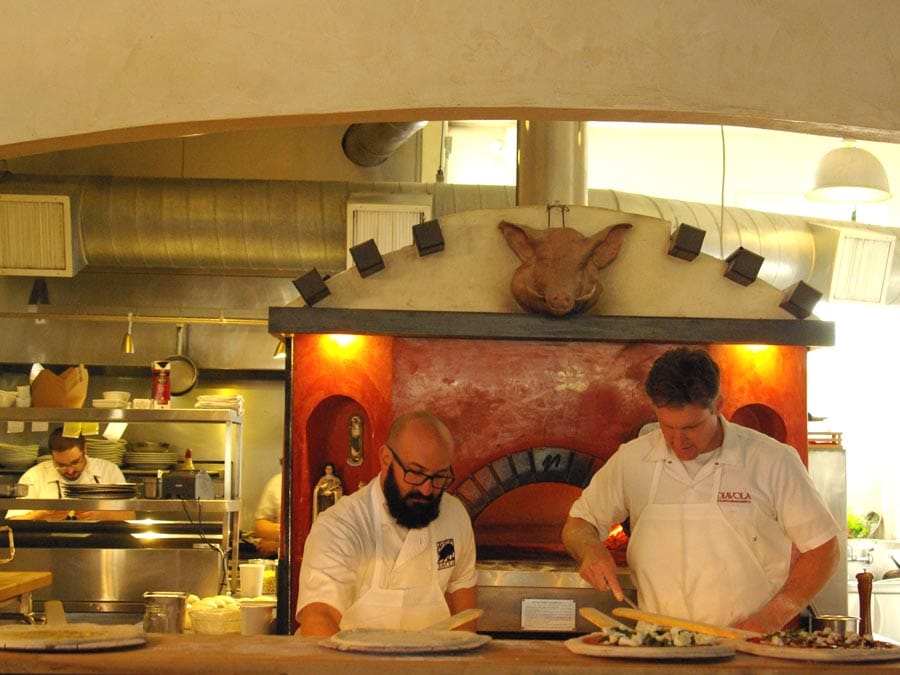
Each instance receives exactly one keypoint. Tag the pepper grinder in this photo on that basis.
(864, 586)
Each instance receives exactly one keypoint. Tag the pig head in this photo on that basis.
(559, 274)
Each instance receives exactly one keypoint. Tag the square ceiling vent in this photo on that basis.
(852, 264)
(37, 236)
(386, 218)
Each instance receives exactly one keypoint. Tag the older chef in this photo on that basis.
(69, 465)
(398, 553)
(727, 527)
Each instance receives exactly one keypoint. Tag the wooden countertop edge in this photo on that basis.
(13, 584)
(236, 655)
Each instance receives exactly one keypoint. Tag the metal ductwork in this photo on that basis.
(279, 228)
(551, 165)
(372, 144)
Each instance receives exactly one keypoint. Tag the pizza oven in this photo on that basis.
(533, 419)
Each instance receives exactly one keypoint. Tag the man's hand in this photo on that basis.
(596, 564)
(319, 619)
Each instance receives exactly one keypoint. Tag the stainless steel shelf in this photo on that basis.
(135, 504)
(193, 415)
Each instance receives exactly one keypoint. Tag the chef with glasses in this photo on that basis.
(69, 465)
(397, 554)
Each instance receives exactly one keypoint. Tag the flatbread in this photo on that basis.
(71, 637)
(587, 646)
(834, 655)
(383, 641)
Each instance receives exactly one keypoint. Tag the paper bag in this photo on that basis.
(68, 390)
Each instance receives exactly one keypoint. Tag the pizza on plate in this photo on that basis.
(820, 639)
(649, 635)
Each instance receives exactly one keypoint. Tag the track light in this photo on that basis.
(280, 352)
(39, 294)
(686, 242)
(311, 287)
(428, 237)
(128, 341)
(743, 266)
(800, 299)
(367, 258)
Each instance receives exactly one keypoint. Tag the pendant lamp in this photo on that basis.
(849, 175)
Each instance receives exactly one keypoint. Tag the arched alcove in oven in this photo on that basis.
(519, 502)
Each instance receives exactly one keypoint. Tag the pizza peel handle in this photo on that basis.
(599, 619)
(695, 626)
(456, 620)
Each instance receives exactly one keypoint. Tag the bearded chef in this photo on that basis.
(399, 552)
(726, 526)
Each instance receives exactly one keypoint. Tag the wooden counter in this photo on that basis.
(15, 584)
(238, 655)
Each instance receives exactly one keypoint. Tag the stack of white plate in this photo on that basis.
(221, 401)
(100, 490)
(17, 456)
(143, 459)
(112, 451)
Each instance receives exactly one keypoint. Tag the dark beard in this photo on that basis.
(413, 515)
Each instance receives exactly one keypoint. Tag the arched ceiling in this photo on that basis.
(84, 72)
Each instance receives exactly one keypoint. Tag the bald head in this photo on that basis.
(421, 440)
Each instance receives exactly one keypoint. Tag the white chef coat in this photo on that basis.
(753, 490)
(45, 482)
(269, 507)
(357, 554)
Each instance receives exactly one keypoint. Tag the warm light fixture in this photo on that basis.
(849, 175)
(280, 352)
(128, 341)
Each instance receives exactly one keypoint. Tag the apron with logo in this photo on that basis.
(689, 562)
(411, 597)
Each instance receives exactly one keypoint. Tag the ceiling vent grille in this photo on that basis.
(36, 236)
(852, 265)
(386, 218)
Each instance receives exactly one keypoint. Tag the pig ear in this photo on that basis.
(520, 238)
(605, 244)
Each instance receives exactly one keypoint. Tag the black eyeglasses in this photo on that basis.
(439, 481)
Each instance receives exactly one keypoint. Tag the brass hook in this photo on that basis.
(563, 209)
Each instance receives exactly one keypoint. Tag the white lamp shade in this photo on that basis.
(850, 175)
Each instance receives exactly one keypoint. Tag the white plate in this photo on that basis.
(582, 645)
(836, 654)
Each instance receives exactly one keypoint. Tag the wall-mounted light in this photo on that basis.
(800, 299)
(742, 266)
(128, 340)
(367, 258)
(686, 242)
(428, 237)
(311, 287)
(849, 175)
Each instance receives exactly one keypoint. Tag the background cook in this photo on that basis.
(69, 464)
(727, 527)
(397, 553)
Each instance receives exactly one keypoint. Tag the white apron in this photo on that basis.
(411, 598)
(689, 562)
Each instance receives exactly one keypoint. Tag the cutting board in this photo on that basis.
(582, 645)
(14, 584)
(70, 637)
(379, 641)
(836, 655)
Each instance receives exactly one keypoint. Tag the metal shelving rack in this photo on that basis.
(228, 507)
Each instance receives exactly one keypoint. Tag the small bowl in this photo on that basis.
(7, 399)
(838, 623)
(117, 395)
